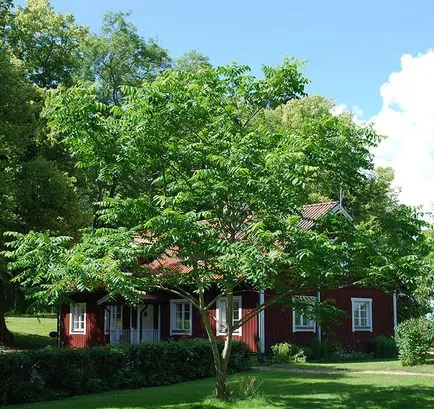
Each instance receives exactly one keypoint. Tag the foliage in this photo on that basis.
(119, 56)
(414, 339)
(286, 352)
(47, 42)
(347, 355)
(191, 166)
(50, 374)
(246, 387)
(323, 349)
(383, 347)
(41, 187)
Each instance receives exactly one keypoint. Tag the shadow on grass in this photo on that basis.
(280, 390)
(31, 341)
(329, 392)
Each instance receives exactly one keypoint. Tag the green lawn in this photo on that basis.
(279, 390)
(374, 365)
(31, 332)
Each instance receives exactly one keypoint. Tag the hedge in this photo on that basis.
(58, 373)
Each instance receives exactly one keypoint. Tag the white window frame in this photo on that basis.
(109, 311)
(173, 329)
(221, 307)
(304, 327)
(74, 309)
(354, 303)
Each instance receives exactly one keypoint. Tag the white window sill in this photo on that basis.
(304, 330)
(362, 330)
(236, 333)
(179, 332)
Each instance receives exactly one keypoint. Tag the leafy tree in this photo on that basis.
(190, 167)
(16, 127)
(47, 42)
(119, 56)
(192, 61)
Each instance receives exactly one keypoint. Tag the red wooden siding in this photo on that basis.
(382, 316)
(249, 333)
(278, 320)
(94, 324)
(278, 326)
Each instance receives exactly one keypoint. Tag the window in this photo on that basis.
(77, 321)
(362, 314)
(180, 317)
(221, 315)
(301, 322)
(113, 318)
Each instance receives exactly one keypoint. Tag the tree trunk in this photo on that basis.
(5, 336)
(221, 386)
(221, 361)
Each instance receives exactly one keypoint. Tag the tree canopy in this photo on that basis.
(212, 167)
(111, 153)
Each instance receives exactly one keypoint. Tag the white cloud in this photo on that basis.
(407, 119)
(354, 110)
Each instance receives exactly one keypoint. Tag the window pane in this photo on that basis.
(297, 319)
(180, 321)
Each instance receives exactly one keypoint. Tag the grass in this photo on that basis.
(374, 365)
(279, 390)
(31, 332)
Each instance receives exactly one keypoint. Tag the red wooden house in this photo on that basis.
(93, 319)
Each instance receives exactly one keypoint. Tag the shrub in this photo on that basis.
(286, 352)
(57, 373)
(383, 347)
(247, 387)
(323, 349)
(347, 355)
(415, 337)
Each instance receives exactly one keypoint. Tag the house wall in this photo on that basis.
(249, 333)
(382, 316)
(279, 325)
(94, 324)
(278, 321)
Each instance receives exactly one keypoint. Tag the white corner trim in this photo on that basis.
(173, 330)
(261, 319)
(370, 328)
(71, 330)
(221, 300)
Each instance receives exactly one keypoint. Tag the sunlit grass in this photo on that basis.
(279, 390)
(31, 332)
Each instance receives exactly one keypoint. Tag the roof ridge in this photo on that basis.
(321, 203)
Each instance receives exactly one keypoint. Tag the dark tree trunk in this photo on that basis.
(6, 337)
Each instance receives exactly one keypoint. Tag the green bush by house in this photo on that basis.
(57, 373)
(383, 347)
(285, 353)
(415, 337)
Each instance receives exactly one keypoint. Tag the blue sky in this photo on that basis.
(351, 47)
(371, 57)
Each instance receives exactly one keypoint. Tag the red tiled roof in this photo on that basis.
(314, 211)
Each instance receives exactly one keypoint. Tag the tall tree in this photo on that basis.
(17, 125)
(207, 183)
(120, 56)
(47, 42)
